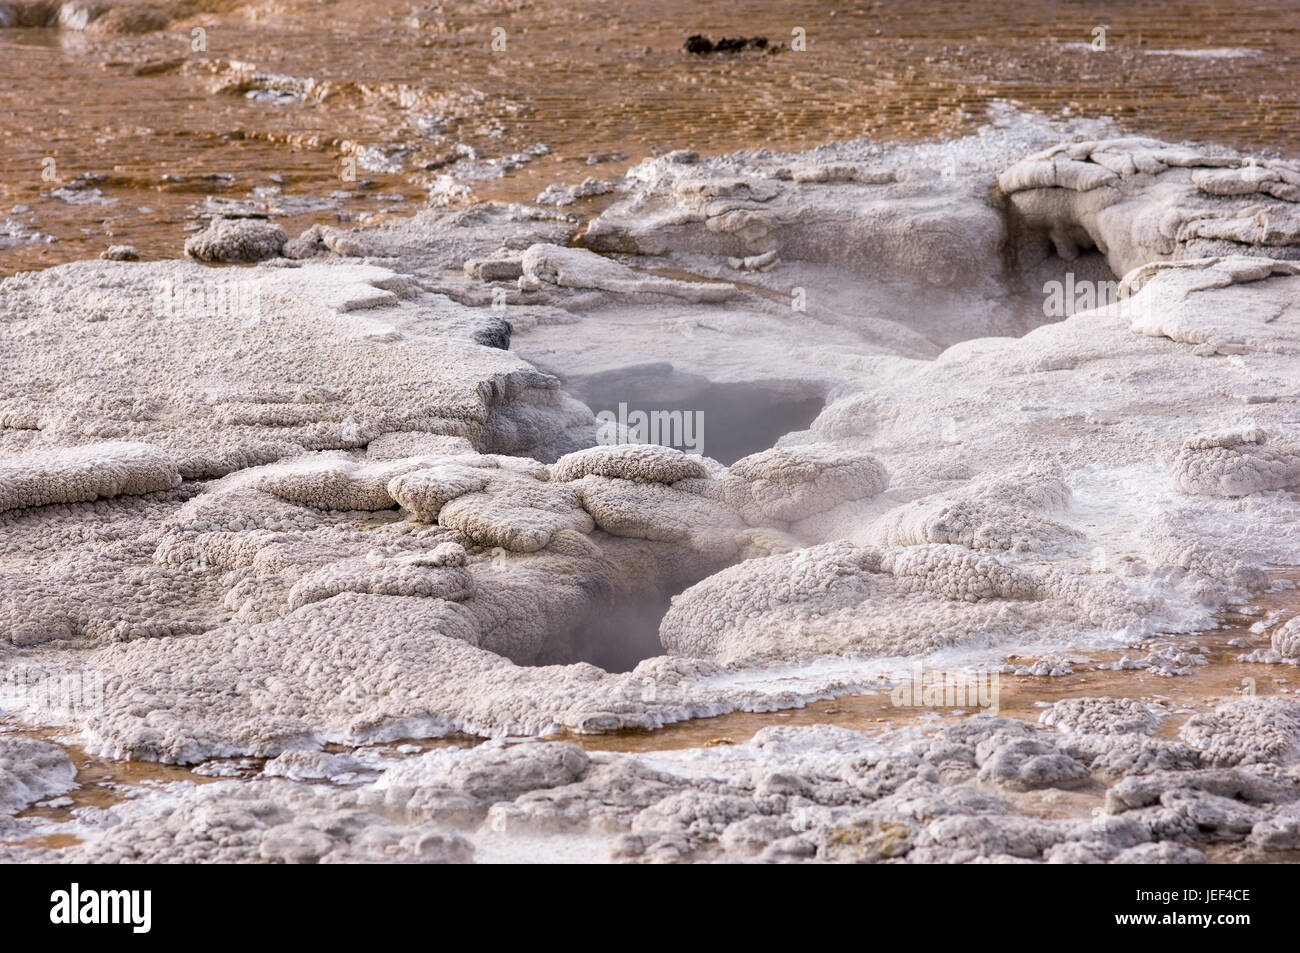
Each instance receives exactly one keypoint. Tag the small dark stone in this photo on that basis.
(701, 45)
(495, 334)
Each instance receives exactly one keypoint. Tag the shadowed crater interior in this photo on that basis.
(725, 421)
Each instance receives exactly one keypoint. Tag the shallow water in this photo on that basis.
(1025, 696)
(105, 782)
(420, 92)
(102, 783)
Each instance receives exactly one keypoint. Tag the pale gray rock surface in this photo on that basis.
(342, 498)
(31, 770)
(237, 240)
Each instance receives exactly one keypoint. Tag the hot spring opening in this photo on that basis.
(616, 638)
(722, 420)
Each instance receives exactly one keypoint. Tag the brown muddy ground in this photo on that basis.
(159, 127)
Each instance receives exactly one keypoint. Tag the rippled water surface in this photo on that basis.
(285, 99)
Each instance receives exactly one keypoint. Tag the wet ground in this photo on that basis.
(103, 782)
(356, 109)
(1025, 696)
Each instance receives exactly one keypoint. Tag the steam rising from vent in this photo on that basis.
(616, 638)
(726, 421)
